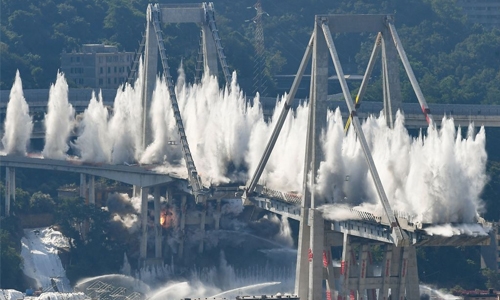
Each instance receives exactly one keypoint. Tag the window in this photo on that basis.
(100, 70)
(115, 69)
(115, 80)
(78, 59)
(109, 70)
(101, 81)
(109, 80)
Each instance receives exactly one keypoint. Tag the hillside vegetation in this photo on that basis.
(455, 61)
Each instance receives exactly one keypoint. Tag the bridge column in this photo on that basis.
(371, 294)
(149, 77)
(390, 78)
(397, 256)
(209, 51)
(412, 287)
(217, 215)
(10, 188)
(91, 191)
(83, 186)
(183, 225)
(309, 273)
(330, 273)
(144, 224)
(168, 196)
(400, 292)
(363, 269)
(158, 228)
(345, 269)
(383, 293)
(202, 226)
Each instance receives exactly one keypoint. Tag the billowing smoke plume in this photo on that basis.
(18, 124)
(436, 177)
(165, 145)
(124, 210)
(125, 125)
(459, 229)
(59, 120)
(93, 140)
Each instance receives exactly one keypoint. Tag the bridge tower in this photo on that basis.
(211, 47)
(355, 277)
(314, 268)
(154, 49)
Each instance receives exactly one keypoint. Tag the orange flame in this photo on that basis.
(167, 218)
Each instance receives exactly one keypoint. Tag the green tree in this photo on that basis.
(11, 275)
(22, 202)
(41, 203)
(88, 228)
(493, 279)
(10, 261)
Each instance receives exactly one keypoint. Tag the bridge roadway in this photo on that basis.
(358, 224)
(138, 175)
(463, 114)
(363, 224)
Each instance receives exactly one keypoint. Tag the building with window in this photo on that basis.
(485, 12)
(96, 66)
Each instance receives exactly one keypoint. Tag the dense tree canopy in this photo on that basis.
(455, 61)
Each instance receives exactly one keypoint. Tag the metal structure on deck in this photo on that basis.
(259, 81)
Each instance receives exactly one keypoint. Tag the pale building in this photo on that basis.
(96, 66)
(485, 12)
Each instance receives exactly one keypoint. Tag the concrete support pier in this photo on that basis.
(168, 196)
(182, 225)
(83, 186)
(217, 215)
(10, 188)
(310, 266)
(202, 227)
(158, 227)
(143, 251)
(87, 188)
(91, 190)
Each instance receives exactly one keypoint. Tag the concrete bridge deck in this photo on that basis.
(139, 175)
(361, 224)
(365, 225)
